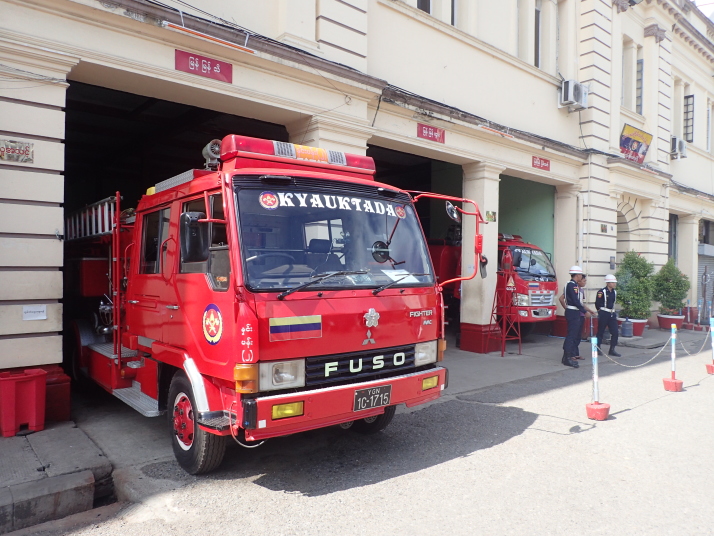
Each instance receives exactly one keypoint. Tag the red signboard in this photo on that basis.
(203, 66)
(431, 133)
(541, 163)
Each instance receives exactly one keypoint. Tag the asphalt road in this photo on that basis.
(516, 458)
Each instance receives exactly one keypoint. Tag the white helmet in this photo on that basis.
(575, 270)
(609, 278)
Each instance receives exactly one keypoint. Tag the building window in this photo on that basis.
(155, 235)
(538, 7)
(672, 249)
(689, 118)
(424, 5)
(638, 85)
(453, 12)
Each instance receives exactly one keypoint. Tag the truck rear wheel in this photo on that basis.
(372, 425)
(196, 450)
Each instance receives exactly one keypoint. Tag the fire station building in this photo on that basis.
(584, 126)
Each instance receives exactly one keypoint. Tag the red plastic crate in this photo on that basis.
(22, 401)
(57, 397)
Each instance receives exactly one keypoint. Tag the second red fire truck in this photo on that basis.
(279, 290)
(532, 281)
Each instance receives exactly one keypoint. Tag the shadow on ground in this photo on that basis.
(329, 460)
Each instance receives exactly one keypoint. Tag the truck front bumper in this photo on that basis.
(335, 405)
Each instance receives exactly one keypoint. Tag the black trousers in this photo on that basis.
(572, 339)
(607, 320)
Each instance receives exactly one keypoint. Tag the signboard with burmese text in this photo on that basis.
(428, 132)
(541, 163)
(189, 62)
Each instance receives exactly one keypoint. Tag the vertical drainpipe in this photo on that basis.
(590, 203)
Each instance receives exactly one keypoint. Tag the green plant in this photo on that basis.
(670, 287)
(634, 285)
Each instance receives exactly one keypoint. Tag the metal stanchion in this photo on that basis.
(597, 410)
(673, 384)
(710, 366)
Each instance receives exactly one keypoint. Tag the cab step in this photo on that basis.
(141, 402)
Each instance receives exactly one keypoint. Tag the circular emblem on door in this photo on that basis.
(268, 200)
(212, 324)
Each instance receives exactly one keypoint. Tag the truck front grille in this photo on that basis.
(542, 299)
(329, 370)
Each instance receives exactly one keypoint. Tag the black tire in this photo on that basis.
(196, 450)
(372, 425)
(526, 329)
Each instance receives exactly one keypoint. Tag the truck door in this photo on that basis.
(202, 321)
(149, 282)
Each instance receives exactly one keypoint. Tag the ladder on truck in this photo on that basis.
(93, 220)
(103, 218)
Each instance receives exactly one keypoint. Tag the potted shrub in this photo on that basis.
(634, 290)
(670, 287)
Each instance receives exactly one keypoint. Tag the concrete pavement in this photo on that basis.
(142, 467)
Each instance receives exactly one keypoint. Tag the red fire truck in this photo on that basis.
(534, 280)
(279, 290)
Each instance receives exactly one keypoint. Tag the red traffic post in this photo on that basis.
(597, 410)
(710, 366)
(673, 384)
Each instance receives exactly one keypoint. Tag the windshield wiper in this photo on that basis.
(318, 278)
(380, 289)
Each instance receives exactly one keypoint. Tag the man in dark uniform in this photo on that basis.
(606, 315)
(573, 308)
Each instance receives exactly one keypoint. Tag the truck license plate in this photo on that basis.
(543, 312)
(374, 397)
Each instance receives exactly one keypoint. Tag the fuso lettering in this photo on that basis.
(367, 364)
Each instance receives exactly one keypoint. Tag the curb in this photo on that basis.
(30, 503)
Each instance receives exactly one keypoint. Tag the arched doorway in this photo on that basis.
(628, 215)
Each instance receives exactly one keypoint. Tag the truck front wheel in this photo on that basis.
(196, 451)
(372, 425)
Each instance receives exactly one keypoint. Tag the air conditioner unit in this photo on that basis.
(678, 148)
(573, 94)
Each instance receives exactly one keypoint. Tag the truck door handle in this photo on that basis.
(133, 301)
(174, 307)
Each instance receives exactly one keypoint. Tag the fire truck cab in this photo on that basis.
(279, 290)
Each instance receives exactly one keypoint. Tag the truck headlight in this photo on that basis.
(282, 374)
(521, 300)
(424, 353)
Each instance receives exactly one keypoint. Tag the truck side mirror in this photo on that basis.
(483, 261)
(452, 212)
(194, 237)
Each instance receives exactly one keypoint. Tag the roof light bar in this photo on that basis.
(232, 145)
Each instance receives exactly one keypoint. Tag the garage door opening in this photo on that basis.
(128, 142)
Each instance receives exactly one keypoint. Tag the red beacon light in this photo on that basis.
(233, 145)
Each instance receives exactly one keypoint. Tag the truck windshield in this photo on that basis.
(531, 263)
(295, 234)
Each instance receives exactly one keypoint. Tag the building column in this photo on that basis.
(567, 222)
(31, 195)
(296, 24)
(526, 30)
(327, 133)
(480, 185)
(688, 253)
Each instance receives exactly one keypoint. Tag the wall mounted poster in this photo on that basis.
(634, 143)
